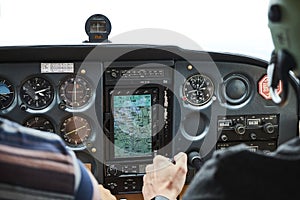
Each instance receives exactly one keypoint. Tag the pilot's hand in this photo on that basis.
(105, 194)
(165, 178)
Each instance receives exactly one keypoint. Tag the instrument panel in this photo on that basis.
(117, 106)
(53, 102)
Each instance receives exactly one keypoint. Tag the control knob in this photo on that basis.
(224, 138)
(269, 128)
(240, 129)
(112, 186)
(114, 74)
(112, 170)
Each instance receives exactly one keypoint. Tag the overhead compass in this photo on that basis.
(37, 93)
(198, 90)
(7, 94)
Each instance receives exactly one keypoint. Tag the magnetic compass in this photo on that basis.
(198, 90)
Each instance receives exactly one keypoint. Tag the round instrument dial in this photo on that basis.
(37, 93)
(198, 90)
(7, 94)
(75, 91)
(75, 131)
(39, 123)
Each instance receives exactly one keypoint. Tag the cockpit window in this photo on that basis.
(227, 26)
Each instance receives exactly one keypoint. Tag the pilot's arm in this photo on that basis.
(37, 165)
(99, 192)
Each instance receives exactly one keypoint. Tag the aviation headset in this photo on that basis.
(284, 24)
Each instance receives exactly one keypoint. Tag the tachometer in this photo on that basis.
(7, 94)
(37, 93)
(39, 123)
(198, 90)
(75, 91)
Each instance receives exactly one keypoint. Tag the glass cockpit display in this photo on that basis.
(132, 125)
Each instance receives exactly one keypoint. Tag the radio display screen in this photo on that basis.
(132, 125)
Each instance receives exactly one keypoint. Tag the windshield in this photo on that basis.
(223, 26)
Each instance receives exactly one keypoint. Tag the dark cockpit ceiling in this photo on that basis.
(117, 106)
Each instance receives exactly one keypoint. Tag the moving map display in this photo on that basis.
(132, 125)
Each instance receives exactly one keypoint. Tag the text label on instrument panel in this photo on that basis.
(57, 67)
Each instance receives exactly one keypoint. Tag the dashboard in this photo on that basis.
(117, 106)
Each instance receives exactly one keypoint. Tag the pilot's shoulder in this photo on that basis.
(290, 149)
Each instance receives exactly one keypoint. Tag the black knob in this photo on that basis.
(114, 74)
(240, 129)
(112, 186)
(253, 136)
(224, 138)
(112, 170)
(269, 128)
(195, 160)
(62, 105)
(23, 107)
(274, 13)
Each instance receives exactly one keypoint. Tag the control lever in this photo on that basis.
(195, 160)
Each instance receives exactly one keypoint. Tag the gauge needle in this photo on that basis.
(202, 84)
(201, 88)
(75, 90)
(75, 130)
(40, 91)
(192, 91)
(6, 94)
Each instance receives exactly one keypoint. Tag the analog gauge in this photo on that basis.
(37, 93)
(7, 94)
(75, 91)
(39, 123)
(75, 131)
(198, 90)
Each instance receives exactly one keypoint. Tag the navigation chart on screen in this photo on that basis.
(132, 125)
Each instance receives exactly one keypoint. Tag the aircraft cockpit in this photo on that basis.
(117, 106)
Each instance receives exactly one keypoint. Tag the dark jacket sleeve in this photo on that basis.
(209, 182)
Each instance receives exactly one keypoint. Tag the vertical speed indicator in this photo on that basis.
(198, 90)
